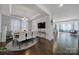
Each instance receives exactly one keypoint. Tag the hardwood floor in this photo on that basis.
(2, 44)
(43, 47)
(46, 47)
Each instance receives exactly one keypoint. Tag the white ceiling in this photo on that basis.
(66, 12)
(51, 7)
(27, 10)
(30, 11)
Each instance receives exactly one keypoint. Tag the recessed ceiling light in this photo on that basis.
(60, 5)
(24, 18)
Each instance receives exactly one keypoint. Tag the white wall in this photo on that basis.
(0, 27)
(35, 23)
(4, 9)
(48, 30)
(29, 25)
(0, 22)
(6, 21)
(34, 26)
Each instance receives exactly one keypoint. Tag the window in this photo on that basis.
(18, 24)
(15, 24)
(76, 25)
(24, 25)
(68, 26)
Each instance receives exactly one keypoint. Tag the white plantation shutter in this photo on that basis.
(15, 24)
(24, 25)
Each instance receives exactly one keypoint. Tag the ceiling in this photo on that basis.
(32, 11)
(50, 7)
(65, 12)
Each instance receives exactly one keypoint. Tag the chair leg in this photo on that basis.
(19, 44)
(13, 43)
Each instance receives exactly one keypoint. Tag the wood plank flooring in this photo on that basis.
(43, 47)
